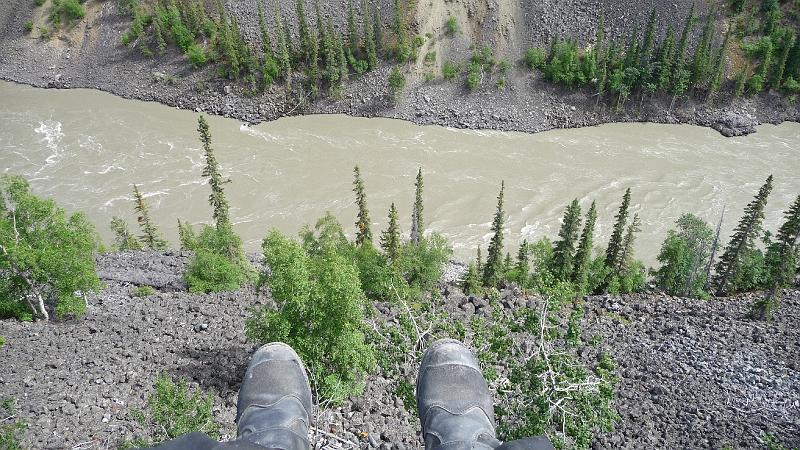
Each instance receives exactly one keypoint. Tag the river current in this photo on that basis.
(86, 148)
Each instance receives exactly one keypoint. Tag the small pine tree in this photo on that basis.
(583, 255)
(782, 262)
(313, 65)
(564, 251)
(743, 240)
(151, 237)
(615, 245)
(332, 69)
(523, 262)
(341, 59)
(390, 238)
(417, 224)
(123, 238)
(270, 68)
(304, 32)
(493, 270)
(369, 37)
(186, 235)
(788, 44)
(217, 199)
(626, 258)
(352, 34)
(718, 75)
(403, 49)
(680, 55)
(363, 231)
(701, 64)
(377, 27)
(665, 60)
(649, 39)
(284, 55)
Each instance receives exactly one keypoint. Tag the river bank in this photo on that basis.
(91, 56)
(693, 374)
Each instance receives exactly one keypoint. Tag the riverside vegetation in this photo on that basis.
(757, 50)
(324, 288)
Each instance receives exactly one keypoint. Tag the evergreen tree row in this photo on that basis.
(325, 56)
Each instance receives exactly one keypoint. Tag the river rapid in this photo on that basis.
(86, 148)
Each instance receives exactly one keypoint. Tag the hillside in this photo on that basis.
(90, 54)
(692, 373)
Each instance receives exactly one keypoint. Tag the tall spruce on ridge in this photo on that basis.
(217, 199)
(614, 250)
(646, 53)
(284, 54)
(718, 74)
(626, 258)
(417, 224)
(493, 269)
(583, 255)
(680, 54)
(390, 238)
(303, 31)
(151, 237)
(377, 26)
(665, 59)
(369, 37)
(743, 239)
(352, 34)
(701, 64)
(564, 250)
(363, 230)
(270, 67)
(783, 261)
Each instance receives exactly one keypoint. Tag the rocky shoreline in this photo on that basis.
(692, 374)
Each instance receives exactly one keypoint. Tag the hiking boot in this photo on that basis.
(274, 407)
(454, 402)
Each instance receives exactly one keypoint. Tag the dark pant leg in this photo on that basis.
(199, 441)
(534, 443)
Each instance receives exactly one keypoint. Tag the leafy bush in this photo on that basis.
(38, 2)
(10, 432)
(320, 312)
(633, 279)
(174, 410)
(684, 256)
(474, 72)
(144, 291)
(197, 56)
(47, 258)
(450, 70)
(421, 264)
(535, 58)
(72, 10)
(2, 341)
(219, 264)
(452, 26)
(28, 26)
(397, 81)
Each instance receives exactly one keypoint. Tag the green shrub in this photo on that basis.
(212, 272)
(38, 2)
(452, 26)
(2, 341)
(44, 32)
(47, 257)
(197, 56)
(474, 72)
(320, 313)
(683, 257)
(174, 410)
(144, 291)
(535, 58)
(10, 432)
(449, 70)
(28, 26)
(430, 57)
(421, 264)
(397, 82)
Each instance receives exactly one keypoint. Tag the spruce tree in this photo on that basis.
(150, 237)
(332, 70)
(493, 269)
(788, 44)
(649, 39)
(217, 199)
(363, 231)
(390, 238)
(377, 26)
(313, 64)
(564, 251)
(680, 54)
(718, 75)
(614, 250)
(369, 37)
(403, 50)
(583, 255)
(714, 249)
(632, 52)
(417, 224)
(665, 59)
(743, 239)
(304, 32)
(270, 68)
(186, 235)
(123, 238)
(523, 262)
(599, 39)
(352, 34)
(701, 65)
(626, 258)
(284, 55)
(341, 59)
(782, 262)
